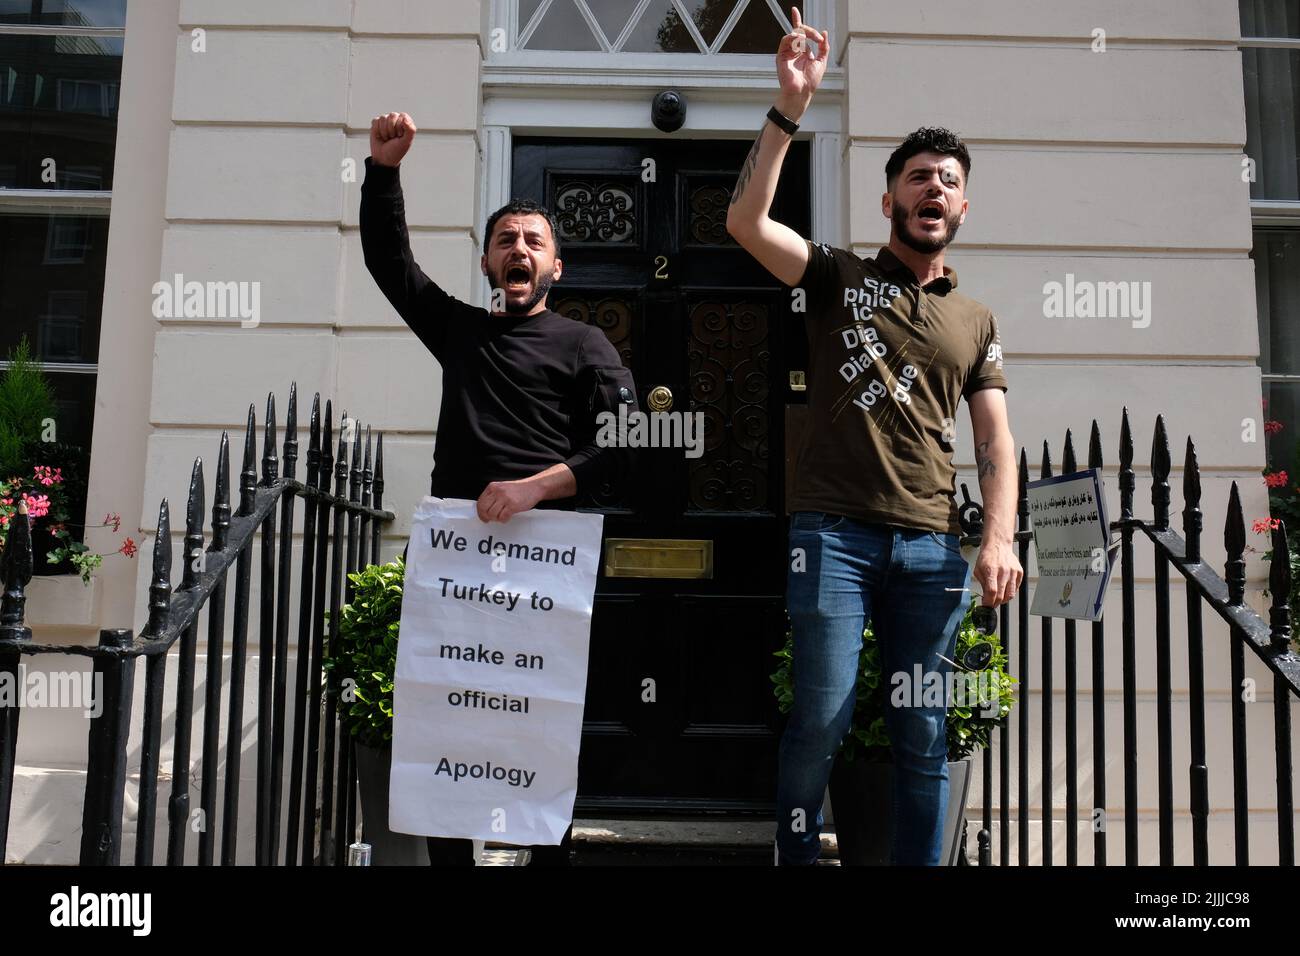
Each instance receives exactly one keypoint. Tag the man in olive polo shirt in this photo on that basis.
(874, 533)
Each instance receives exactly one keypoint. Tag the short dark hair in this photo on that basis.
(927, 139)
(522, 207)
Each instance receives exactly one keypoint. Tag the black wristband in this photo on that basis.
(780, 120)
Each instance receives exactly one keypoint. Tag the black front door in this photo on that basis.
(689, 607)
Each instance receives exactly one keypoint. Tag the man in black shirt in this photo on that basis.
(522, 386)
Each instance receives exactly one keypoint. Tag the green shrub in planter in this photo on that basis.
(968, 726)
(361, 664)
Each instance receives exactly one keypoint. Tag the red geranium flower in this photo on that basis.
(1276, 479)
(128, 548)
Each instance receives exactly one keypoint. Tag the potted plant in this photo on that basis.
(862, 776)
(360, 666)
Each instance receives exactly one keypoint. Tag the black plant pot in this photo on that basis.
(387, 848)
(861, 799)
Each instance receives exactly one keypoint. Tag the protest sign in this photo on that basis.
(492, 673)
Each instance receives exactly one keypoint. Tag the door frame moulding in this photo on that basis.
(539, 93)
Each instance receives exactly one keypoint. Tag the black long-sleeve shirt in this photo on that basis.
(519, 393)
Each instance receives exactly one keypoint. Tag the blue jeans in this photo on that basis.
(844, 573)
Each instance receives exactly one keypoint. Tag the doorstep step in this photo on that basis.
(682, 833)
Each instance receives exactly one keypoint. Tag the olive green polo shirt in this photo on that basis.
(889, 361)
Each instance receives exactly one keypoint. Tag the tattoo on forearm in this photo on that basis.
(747, 169)
(983, 462)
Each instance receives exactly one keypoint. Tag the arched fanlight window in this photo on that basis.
(654, 26)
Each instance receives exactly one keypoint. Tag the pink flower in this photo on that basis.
(1272, 427)
(114, 519)
(1265, 525)
(1276, 479)
(47, 475)
(38, 507)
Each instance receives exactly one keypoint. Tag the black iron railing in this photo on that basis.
(1269, 642)
(341, 533)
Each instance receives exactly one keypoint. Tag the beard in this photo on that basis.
(926, 245)
(541, 289)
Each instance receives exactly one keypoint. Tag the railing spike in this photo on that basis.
(1046, 470)
(1191, 476)
(1068, 466)
(270, 464)
(1127, 479)
(1192, 520)
(160, 589)
(248, 472)
(1094, 446)
(193, 546)
(194, 502)
(1125, 441)
(313, 444)
(291, 434)
(1160, 465)
(327, 447)
(341, 462)
(378, 482)
(1234, 543)
(354, 475)
(221, 496)
(1160, 462)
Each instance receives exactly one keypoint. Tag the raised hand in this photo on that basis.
(391, 136)
(801, 60)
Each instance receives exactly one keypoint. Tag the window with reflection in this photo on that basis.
(58, 110)
(60, 89)
(1272, 166)
(660, 26)
(107, 14)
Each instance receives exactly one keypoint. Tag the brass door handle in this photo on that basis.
(660, 398)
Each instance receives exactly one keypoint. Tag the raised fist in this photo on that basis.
(391, 136)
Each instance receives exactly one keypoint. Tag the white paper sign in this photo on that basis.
(492, 673)
(1071, 544)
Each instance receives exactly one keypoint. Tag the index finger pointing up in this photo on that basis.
(794, 18)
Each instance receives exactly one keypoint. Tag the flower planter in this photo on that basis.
(387, 848)
(861, 795)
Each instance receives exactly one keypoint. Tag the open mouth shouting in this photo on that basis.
(930, 211)
(519, 279)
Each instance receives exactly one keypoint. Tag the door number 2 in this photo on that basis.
(661, 272)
